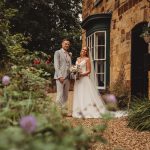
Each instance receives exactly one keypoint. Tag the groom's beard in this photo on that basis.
(66, 48)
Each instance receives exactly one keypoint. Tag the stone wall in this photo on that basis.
(125, 15)
(123, 21)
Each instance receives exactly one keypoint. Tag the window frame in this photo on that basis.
(92, 47)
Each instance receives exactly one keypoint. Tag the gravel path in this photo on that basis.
(119, 136)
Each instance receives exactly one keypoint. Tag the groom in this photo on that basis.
(62, 64)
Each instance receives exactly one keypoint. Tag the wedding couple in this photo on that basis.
(86, 100)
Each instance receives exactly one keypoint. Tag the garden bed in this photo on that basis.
(119, 136)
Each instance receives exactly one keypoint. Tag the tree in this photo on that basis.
(46, 21)
(10, 44)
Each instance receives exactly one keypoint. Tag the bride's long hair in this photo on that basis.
(87, 51)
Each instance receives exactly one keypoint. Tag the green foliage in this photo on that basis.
(10, 44)
(112, 106)
(42, 61)
(121, 90)
(27, 79)
(139, 114)
(48, 137)
(52, 131)
(146, 31)
(25, 95)
(47, 22)
(6, 14)
(19, 98)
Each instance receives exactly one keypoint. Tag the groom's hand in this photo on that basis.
(61, 80)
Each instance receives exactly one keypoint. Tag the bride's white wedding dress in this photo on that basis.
(86, 100)
(87, 103)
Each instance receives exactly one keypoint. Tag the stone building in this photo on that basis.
(111, 30)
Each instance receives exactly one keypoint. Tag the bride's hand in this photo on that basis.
(85, 74)
(81, 74)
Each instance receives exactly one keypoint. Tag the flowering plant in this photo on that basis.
(111, 102)
(28, 124)
(5, 80)
(146, 32)
(75, 72)
(36, 61)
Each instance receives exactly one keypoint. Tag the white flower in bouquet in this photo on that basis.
(75, 71)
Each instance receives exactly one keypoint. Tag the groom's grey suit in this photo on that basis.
(62, 64)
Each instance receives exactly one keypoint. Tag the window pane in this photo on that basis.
(92, 40)
(99, 52)
(100, 79)
(100, 38)
(97, 45)
(92, 53)
(100, 66)
(87, 42)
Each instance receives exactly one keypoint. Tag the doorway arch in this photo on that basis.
(139, 73)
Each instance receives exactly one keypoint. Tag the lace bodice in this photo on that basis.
(82, 65)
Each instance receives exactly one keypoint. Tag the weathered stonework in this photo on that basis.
(125, 15)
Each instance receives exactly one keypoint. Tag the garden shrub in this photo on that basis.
(139, 114)
(49, 130)
(121, 90)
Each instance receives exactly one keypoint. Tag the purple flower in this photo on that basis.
(28, 124)
(5, 80)
(110, 98)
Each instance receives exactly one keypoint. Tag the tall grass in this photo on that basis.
(139, 114)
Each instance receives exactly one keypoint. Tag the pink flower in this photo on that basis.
(28, 124)
(5, 80)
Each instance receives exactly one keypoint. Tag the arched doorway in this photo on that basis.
(139, 73)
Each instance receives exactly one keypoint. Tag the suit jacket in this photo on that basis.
(62, 64)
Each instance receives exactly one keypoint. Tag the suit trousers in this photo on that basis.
(62, 92)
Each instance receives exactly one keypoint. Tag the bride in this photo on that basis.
(87, 103)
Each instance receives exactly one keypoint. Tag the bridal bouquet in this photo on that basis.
(75, 72)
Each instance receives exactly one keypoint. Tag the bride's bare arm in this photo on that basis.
(88, 68)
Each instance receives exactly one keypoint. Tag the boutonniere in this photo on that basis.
(70, 54)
